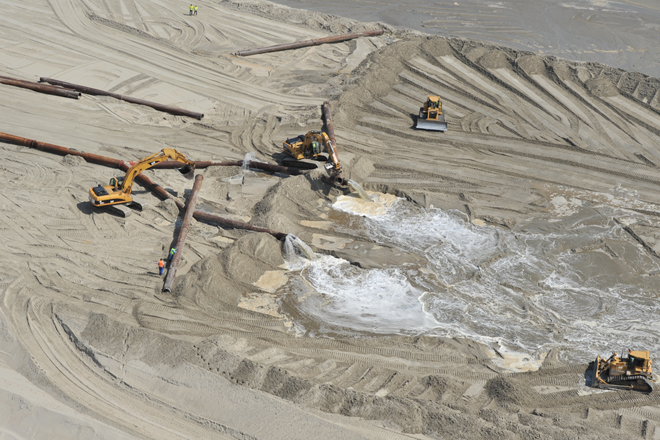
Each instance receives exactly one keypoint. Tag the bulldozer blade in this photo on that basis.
(187, 171)
(423, 124)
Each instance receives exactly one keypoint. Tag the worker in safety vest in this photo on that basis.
(172, 252)
(191, 9)
(161, 266)
(195, 9)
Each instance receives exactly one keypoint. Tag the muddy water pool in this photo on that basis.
(578, 281)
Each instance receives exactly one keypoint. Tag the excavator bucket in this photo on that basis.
(187, 171)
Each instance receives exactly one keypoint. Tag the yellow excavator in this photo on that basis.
(120, 188)
(431, 116)
(311, 146)
(621, 373)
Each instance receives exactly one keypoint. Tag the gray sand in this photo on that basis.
(91, 348)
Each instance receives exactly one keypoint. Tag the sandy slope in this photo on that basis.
(82, 316)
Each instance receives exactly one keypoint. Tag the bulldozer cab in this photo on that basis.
(434, 103)
(639, 361)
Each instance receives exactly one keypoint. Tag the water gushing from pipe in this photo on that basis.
(295, 248)
(249, 157)
(352, 184)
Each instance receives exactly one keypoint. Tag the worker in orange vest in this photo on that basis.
(161, 266)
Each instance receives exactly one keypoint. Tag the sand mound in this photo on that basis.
(169, 209)
(495, 59)
(602, 87)
(73, 161)
(218, 281)
(285, 205)
(532, 64)
(509, 390)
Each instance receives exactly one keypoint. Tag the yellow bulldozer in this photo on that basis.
(311, 146)
(431, 116)
(624, 373)
(120, 188)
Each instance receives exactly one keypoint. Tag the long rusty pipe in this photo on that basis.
(155, 105)
(43, 88)
(183, 233)
(144, 180)
(103, 160)
(305, 43)
(330, 130)
(199, 215)
(62, 151)
(169, 164)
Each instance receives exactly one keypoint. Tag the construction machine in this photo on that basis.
(624, 373)
(431, 116)
(120, 188)
(311, 146)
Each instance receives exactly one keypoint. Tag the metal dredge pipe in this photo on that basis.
(227, 223)
(168, 164)
(115, 163)
(43, 88)
(62, 151)
(144, 180)
(305, 43)
(183, 233)
(155, 105)
(199, 215)
(330, 129)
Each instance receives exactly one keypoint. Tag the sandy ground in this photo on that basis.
(91, 348)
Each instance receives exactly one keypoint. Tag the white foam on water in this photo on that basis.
(526, 291)
(374, 300)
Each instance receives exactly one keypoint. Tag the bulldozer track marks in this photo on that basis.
(485, 98)
(511, 128)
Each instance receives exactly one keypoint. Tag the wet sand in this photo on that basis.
(90, 347)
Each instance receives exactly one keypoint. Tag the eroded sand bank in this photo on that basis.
(536, 148)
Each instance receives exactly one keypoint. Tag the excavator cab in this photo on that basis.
(116, 182)
(316, 148)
